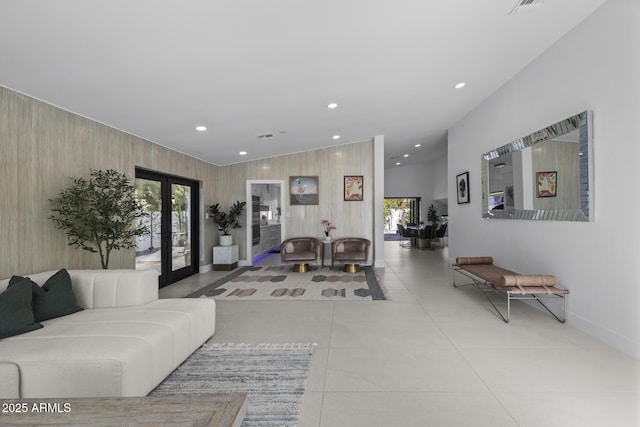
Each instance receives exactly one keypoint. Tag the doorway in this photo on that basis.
(400, 210)
(170, 205)
(266, 213)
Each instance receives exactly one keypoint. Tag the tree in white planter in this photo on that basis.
(227, 221)
(100, 214)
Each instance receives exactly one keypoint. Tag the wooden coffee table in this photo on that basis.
(216, 410)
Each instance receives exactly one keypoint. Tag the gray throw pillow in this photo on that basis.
(54, 299)
(16, 315)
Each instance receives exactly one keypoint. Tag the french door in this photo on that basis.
(170, 205)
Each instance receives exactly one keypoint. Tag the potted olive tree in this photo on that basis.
(227, 221)
(99, 214)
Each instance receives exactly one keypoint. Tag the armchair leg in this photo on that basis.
(352, 268)
(301, 268)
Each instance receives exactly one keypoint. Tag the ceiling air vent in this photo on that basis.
(265, 136)
(524, 5)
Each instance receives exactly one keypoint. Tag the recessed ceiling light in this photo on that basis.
(460, 85)
(336, 136)
(243, 153)
(332, 105)
(201, 128)
(418, 145)
(397, 163)
(406, 155)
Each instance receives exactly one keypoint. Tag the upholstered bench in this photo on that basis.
(487, 276)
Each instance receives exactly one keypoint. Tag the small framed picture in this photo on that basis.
(303, 190)
(546, 183)
(353, 188)
(462, 187)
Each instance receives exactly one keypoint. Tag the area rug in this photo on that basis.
(393, 237)
(281, 283)
(272, 375)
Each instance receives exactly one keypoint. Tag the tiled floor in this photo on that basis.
(437, 356)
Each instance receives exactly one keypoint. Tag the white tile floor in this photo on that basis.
(437, 356)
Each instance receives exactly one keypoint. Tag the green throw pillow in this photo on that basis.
(16, 316)
(54, 299)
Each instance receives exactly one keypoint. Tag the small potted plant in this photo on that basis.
(327, 229)
(227, 221)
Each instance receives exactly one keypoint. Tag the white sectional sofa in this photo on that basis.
(124, 342)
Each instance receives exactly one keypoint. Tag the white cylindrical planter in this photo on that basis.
(226, 240)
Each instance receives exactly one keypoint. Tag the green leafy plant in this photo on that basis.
(432, 215)
(100, 214)
(227, 221)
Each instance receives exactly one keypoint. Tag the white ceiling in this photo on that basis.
(158, 68)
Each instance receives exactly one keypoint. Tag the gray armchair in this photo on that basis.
(351, 251)
(300, 251)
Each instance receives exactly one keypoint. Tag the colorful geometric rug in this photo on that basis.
(272, 375)
(281, 283)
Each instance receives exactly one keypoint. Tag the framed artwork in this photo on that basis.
(353, 188)
(303, 190)
(462, 187)
(546, 183)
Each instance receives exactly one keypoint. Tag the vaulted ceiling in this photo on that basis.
(243, 68)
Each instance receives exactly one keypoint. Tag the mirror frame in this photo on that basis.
(582, 122)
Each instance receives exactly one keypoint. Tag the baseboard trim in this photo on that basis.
(604, 334)
(380, 264)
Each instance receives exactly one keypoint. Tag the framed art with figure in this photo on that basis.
(462, 187)
(303, 190)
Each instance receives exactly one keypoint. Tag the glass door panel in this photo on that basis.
(180, 226)
(149, 246)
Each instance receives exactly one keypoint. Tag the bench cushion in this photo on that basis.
(527, 280)
(474, 260)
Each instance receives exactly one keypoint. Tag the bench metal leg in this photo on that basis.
(564, 310)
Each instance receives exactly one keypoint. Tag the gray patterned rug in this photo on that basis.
(281, 283)
(272, 375)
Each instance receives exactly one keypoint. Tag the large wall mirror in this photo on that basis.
(543, 176)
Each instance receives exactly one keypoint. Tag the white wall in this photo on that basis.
(596, 66)
(426, 180)
(330, 165)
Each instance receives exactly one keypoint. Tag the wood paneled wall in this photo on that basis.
(352, 219)
(41, 146)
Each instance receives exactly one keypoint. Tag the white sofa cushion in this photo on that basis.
(106, 288)
(10, 376)
(117, 351)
